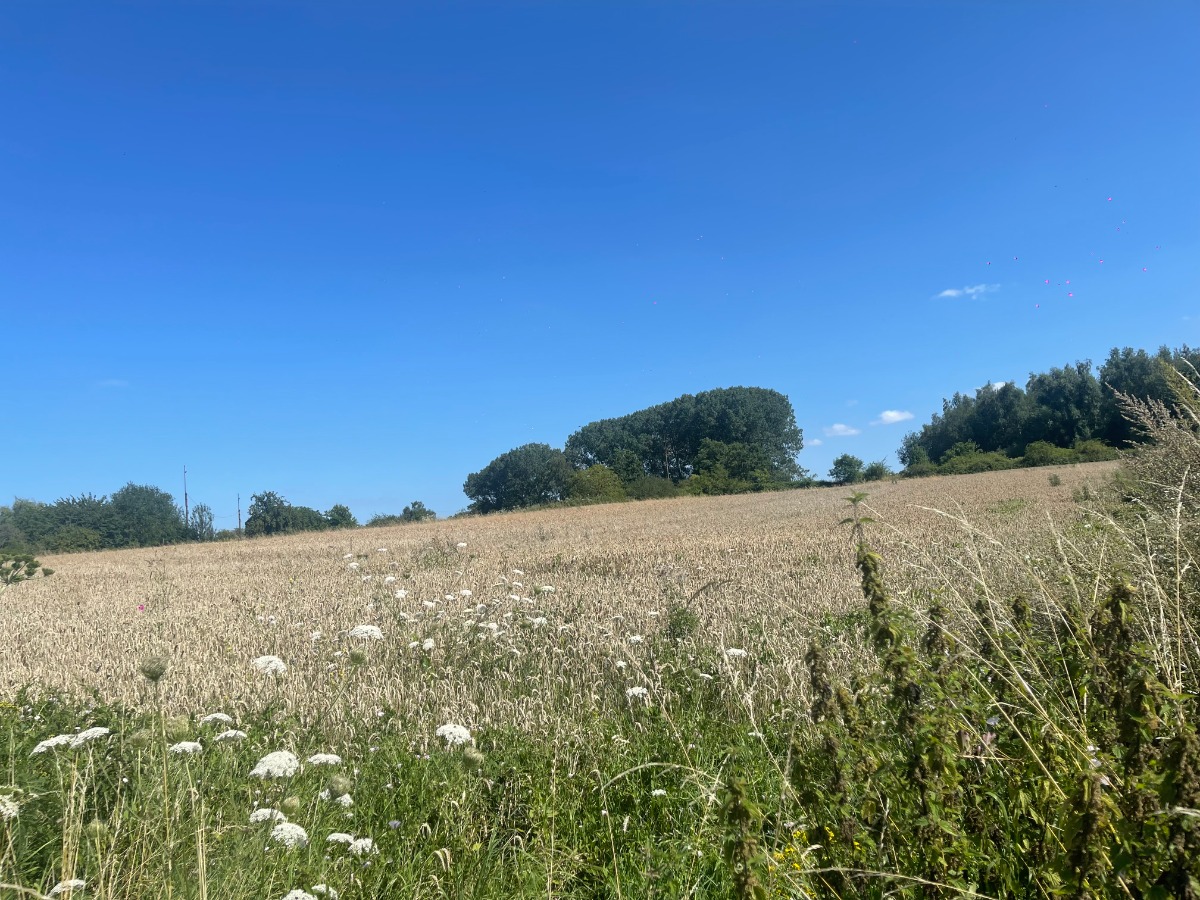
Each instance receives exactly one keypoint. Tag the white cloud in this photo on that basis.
(892, 416)
(971, 292)
(815, 442)
(837, 429)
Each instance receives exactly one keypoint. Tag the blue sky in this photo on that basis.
(351, 252)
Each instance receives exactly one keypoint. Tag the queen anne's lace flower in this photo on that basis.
(271, 666)
(324, 759)
(70, 885)
(280, 764)
(216, 717)
(340, 837)
(266, 814)
(9, 807)
(454, 735)
(186, 748)
(427, 645)
(49, 743)
(231, 735)
(735, 653)
(325, 891)
(289, 834)
(366, 633)
(297, 894)
(636, 691)
(362, 847)
(88, 734)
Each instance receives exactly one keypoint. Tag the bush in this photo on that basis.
(596, 484)
(846, 469)
(876, 471)
(651, 487)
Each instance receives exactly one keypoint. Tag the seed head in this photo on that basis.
(153, 668)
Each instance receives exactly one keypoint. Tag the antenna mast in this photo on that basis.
(187, 521)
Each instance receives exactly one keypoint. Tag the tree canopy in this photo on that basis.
(531, 474)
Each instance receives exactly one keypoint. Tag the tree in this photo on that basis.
(876, 471)
(527, 476)
(200, 528)
(846, 469)
(597, 484)
(147, 516)
(417, 512)
(339, 516)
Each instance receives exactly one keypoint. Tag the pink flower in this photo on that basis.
(141, 607)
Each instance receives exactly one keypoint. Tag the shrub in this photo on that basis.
(596, 484)
(651, 487)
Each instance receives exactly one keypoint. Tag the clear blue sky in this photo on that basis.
(351, 252)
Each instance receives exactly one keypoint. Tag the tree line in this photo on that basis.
(728, 440)
(141, 515)
(1068, 414)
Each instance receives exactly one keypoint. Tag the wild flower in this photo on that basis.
(88, 734)
(381, 550)
(280, 764)
(546, 589)
(232, 734)
(324, 759)
(462, 545)
(325, 891)
(538, 621)
(9, 807)
(316, 635)
(186, 748)
(49, 743)
(340, 837)
(297, 894)
(68, 887)
(735, 653)
(347, 556)
(362, 847)
(427, 645)
(636, 639)
(271, 666)
(454, 735)
(216, 717)
(464, 593)
(658, 792)
(266, 814)
(636, 691)
(517, 572)
(391, 579)
(400, 594)
(289, 834)
(366, 633)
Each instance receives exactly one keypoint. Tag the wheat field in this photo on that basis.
(507, 619)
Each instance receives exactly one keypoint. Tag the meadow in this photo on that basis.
(705, 697)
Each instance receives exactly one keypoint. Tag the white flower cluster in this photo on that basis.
(266, 814)
(363, 846)
(454, 735)
(366, 633)
(636, 691)
(232, 734)
(324, 759)
(9, 807)
(185, 748)
(280, 764)
(271, 666)
(68, 887)
(74, 741)
(735, 653)
(216, 717)
(290, 835)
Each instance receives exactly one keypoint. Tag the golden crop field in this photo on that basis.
(501, 620)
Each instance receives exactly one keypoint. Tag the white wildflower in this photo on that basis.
(362, 847)
(325, 891)
(280, 764)
(88, 734)
(266, 814)
(538, 621)
(186, 748)
(427, 645)
(391, 579)
(454, 735)
(546, 589)
(658, 792)
(366, 633)
(289, 834)
(271, 666)
(352, 565)
(348, 556)
(317, 635)
(49, 743)
(517, 572)
(462, 545)
(636, 691)
(232, 734)
(216, 717)
(297, 894)
(9, 807)
(400, 594)
(69, 886)
(735, 653)
(636, 639)
(324, 759)
(620, 664)
(381, 549)
(340, 837)
(344, 800)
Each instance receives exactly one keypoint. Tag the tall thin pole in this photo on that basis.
(187, 520)
(239, 513)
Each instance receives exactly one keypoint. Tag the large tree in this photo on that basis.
(527, 476)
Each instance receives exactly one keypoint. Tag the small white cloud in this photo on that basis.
(837, 429)
(815, 442)
(971, 292)
(892, 416)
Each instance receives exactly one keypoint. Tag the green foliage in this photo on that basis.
(665, 440)
(876, 471)
(339, 516)
(417, 512)
(651, 487)
(271, 514)
(18, 567)
(147, 516)
(530, 475)
(846, 469)
(596, 484)
(200, 528)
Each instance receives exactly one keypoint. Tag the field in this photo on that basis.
(585, 702)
